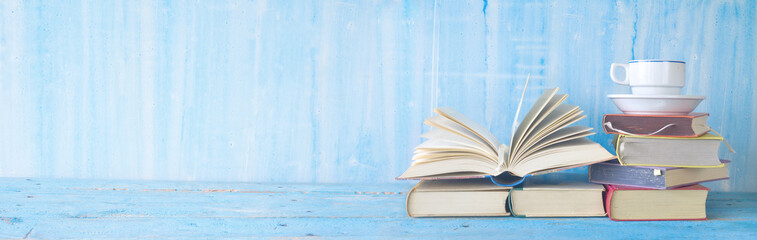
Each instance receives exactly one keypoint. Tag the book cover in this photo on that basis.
(692, 125)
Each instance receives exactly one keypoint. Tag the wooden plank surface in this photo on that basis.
(60, 209)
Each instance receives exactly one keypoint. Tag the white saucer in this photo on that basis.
(656, 104)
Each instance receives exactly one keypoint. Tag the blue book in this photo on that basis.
(612, 172)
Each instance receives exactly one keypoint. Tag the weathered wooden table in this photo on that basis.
(60, 209)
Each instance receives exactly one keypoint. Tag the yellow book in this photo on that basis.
(698, 152)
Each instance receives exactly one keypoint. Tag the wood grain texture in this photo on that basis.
(55, 209)
(332, 91)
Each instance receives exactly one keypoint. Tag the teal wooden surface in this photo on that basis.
(57, 209)
(333, 91)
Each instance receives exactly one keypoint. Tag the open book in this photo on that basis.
(460, 148)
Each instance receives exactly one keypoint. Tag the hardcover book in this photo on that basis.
(643, 204)
(557, 195)
(698, 152)
(460, 148)
(612, 172)
(457, 198)
(692, 125)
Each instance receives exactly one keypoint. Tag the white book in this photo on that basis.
(543, 142)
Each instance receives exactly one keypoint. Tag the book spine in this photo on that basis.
(626, 175)
(616, 143)
(510, 203)
(407, 201)
(608, 200)
(507, 181)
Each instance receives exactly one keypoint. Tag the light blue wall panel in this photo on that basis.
(332, 91)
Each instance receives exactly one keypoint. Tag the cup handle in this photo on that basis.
(614, 66)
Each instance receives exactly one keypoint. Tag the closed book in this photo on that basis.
(698, 152)
(692, 125)
(625, 203)
(612, 172)
(476, 197)
(557, 195)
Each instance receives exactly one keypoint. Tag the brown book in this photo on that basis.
(692, 125)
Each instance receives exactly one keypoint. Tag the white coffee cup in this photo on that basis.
(652, 76)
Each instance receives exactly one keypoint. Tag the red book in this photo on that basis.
(643, 204)
(692, 125)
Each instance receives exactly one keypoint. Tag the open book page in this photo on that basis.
(437, 133)
(444, 147)
(469, 124)
(459, 148)
(553, 104)
(454, 175)
(451, 166)
(520, 104)
(561, 117)
(546, 117)
(424, 156)
(441, 140)
(562, 135)
(577, 152)
(445, 124)
(528, 120)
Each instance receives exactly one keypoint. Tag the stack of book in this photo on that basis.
(465, 171)
(661, 161)
(550, 195)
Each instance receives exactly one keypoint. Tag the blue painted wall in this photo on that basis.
(282, 91)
